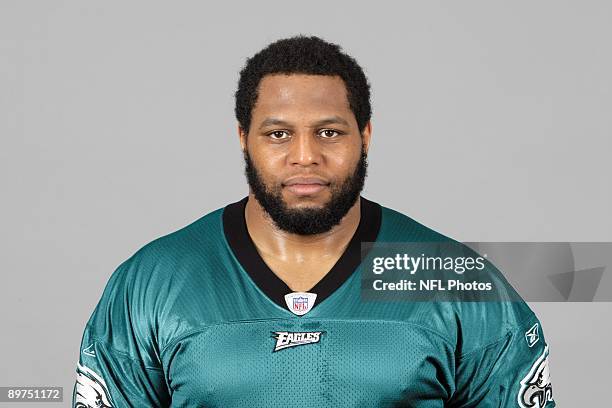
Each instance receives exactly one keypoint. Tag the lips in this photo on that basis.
(305, 180)
(305, 185)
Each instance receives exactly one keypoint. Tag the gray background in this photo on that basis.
(491, 122)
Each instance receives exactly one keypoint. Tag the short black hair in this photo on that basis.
(303, 55)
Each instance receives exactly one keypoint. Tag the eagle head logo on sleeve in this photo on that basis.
(90, 389)
(536, 388)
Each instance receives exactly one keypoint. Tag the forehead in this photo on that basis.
(280, 93)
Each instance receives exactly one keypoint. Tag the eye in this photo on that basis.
(278, 135)
(328, 133)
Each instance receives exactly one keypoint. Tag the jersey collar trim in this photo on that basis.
(243, 247)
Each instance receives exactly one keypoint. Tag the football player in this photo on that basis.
(258, 303)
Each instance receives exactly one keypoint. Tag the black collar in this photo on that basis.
(241, 244)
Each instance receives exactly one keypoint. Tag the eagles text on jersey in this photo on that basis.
(197, 319)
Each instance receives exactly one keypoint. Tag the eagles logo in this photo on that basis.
(536, 388)
(90, 390)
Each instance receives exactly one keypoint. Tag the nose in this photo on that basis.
(304, 150)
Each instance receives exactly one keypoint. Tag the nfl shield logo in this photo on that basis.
(300, 304)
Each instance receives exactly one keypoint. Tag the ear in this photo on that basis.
(242, 135)
(366, 135)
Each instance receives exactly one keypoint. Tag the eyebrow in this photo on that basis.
(327, 121)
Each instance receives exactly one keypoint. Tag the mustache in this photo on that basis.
(309, 178)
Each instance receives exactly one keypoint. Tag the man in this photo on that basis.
(258, 303)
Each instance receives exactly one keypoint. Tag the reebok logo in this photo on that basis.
(532, 335)
(90, 351)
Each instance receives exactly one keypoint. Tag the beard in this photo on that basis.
(308, 221)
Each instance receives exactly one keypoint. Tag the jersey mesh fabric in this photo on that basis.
(185, 309)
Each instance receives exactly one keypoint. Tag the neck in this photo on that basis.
(285, 246)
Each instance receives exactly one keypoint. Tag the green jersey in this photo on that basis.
(197, 319)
